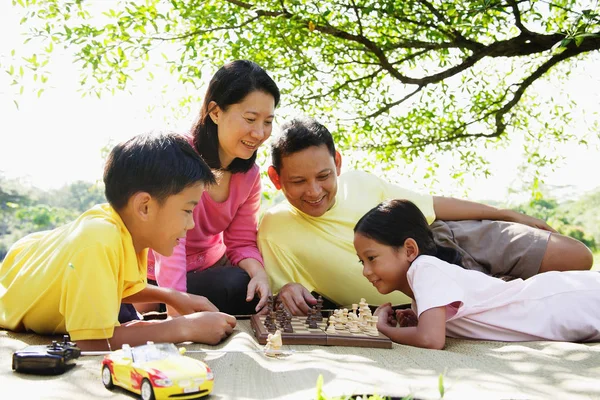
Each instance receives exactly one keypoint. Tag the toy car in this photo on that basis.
(52, 359)
(157, 371)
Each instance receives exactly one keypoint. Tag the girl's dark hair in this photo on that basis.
(393, 221)
(230, 85)
(161, 164)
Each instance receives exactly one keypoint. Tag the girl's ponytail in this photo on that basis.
(449, 255)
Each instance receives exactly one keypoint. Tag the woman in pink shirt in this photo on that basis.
(396, 247)
(219, 257)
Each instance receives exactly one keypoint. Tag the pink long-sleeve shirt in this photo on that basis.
(221, 228)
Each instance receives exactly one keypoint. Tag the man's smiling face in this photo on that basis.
(308, 179)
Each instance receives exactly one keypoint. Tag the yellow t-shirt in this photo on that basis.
(71, 279)
(319, 252)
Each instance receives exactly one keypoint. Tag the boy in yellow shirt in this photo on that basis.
(74, 278)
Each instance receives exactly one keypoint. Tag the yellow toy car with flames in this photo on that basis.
(157, 371)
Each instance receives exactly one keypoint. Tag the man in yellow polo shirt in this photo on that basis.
(307, 241)
(74, 278)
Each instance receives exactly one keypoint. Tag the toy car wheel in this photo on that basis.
(107, 378)
(147, 392)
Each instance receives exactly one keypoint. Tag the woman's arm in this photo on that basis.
(451, 209)
(430, 333)
(259, 281)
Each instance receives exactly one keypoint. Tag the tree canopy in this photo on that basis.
(397, 78)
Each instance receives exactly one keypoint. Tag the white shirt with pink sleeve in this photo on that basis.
(561, 306)
(221, 228)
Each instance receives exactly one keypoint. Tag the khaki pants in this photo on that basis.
(496, 248)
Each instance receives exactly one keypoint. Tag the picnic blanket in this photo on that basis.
(471, 370)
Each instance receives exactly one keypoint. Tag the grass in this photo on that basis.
(596, 266)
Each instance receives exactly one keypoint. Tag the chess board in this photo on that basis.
(304, 335)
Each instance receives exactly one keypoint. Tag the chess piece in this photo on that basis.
(274, 343)
(331, 327)
(270, 322)
(287, 322)
(308, 315)
(372, 327)
(319, 309)
(312, 323)
(353, 326)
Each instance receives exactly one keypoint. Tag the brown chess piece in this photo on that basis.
(310, 313)
(319, 308)
(312, 323)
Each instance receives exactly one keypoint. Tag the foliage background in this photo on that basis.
(398, 82)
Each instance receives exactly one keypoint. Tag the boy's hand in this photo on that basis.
(207, 327)
(186, 303)
(406, 318)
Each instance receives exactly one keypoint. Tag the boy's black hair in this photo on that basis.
(393, 221)
(297, 135)
(230, 85)
(159, 163)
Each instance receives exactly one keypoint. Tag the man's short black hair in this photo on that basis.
(297, 135)
(159, 163)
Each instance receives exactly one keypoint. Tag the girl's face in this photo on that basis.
(384, 266)
(244, 126)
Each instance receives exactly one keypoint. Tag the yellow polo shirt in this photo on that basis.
(71, 279)
(318, 252)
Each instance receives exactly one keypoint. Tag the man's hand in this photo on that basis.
(259, 284)
(296, 298)
(406, 318)
(528, 220)
(451, 209)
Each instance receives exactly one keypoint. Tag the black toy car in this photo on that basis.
(51, 359)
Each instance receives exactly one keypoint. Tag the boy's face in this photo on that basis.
(308, 179)
(173, 219)
(384, 266)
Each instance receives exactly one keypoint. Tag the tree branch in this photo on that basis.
(517, 14)
(346, 83)
(498, 113)
(387, 107)
(360, 27)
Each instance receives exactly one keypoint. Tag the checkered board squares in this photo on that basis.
(303, 335)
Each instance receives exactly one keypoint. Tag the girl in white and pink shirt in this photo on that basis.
(395, 245)
(219, 257)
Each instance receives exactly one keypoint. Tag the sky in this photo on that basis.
(56, 139)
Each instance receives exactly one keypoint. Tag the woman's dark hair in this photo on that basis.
(230, 85)
(299, 134)
(393, 221)
(161, 164)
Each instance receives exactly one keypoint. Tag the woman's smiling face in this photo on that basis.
(244, 126)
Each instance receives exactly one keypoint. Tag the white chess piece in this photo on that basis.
(331, 327)
(372, 327)
(274, 343)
